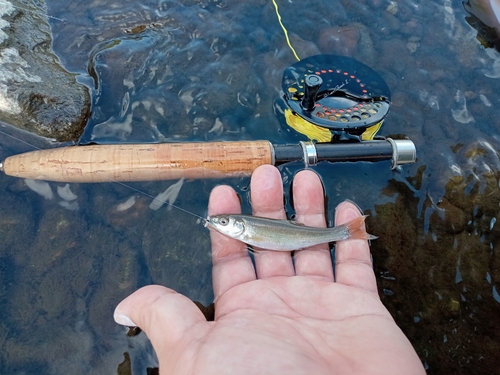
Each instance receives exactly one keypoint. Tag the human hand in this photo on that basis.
(284, 316)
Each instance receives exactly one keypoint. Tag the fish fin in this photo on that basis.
(357, 230)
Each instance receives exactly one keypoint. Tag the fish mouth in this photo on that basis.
(206, 222)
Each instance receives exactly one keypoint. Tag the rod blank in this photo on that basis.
(400, 151)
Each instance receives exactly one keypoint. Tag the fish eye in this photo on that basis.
(223, 221)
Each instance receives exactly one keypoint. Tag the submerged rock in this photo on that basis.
(36, 93)
(339, 40)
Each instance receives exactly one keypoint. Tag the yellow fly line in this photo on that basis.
(284, 30)
(313, 132)
(320, 134)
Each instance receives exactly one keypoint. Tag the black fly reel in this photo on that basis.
(334, 98)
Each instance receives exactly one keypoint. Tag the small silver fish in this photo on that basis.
(283, 235)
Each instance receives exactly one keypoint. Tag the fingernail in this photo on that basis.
(342, 204)
(346, 202)
(124, 320)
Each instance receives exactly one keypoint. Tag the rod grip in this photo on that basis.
(141, 162)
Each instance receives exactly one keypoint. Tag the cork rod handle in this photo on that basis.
(141, 162)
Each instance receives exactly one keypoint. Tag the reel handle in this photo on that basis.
(312, 84)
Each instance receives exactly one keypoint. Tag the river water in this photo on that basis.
(201, 70)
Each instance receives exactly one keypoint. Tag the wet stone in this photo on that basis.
(15, 223)
(119, 278)
(36, 93)
(58, 237)
(454, 219)
(341, 40)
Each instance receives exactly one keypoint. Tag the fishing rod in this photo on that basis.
(192, 160)
(338, 103)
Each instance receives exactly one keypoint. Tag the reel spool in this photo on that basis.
(332, 98)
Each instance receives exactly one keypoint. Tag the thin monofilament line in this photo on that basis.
(155, 198)
(41, 9)
(19, 140)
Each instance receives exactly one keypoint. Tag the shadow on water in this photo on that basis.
(206, 70)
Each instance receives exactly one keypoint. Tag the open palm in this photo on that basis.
(283, 315)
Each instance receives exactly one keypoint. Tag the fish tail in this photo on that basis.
(357, 230)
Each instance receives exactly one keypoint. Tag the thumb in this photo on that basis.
(163, 314)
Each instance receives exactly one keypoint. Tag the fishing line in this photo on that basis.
(20, 140)
(285, 31)
(118, 182)
(155, 198)
(43, 10)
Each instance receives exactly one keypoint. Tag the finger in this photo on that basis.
(231, 263)
(353, 265)
(165, 315)
(309, 203)
(266, 191)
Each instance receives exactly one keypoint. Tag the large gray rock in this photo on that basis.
(36, 93)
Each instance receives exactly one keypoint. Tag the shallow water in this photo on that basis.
(210, 70)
